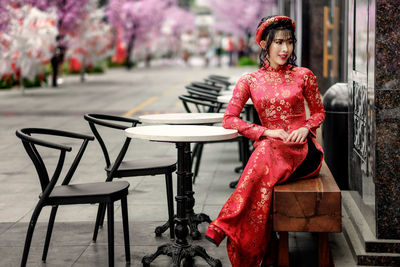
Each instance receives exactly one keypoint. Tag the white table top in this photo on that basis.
(181, 133)
(182, 118)
(226, 98)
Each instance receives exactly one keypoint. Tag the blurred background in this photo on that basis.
(42, 40)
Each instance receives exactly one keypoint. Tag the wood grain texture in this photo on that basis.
(309, 205)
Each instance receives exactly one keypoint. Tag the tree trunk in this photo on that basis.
(130, 52)
(21, 83)
(83, 68)
(54, 65)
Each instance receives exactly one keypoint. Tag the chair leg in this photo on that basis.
(29, 234)
(100, 215)
(49, 232)
(110, 230)
(170, 201)
(324, 259)
(194, 154)
(194, 158)
(103, 214)
(125, 225)
(283, 249)
(197, 166)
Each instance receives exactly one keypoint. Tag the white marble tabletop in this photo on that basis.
(226, 98)
(182, 118)
(181, 133)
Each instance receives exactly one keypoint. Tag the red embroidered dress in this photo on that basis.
(278, 96)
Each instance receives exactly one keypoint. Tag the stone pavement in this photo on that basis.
(139, 91)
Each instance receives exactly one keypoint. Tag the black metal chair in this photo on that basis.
(66, 194)
(140, 167)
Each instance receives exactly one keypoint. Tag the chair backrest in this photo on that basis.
(201, 104)
(201, 92)
(207, 86)
(30, 144)
(218, 80)
(219, 77)
(113, 122)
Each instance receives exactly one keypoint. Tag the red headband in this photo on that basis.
(268, 22)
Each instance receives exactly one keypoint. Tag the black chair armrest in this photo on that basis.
(46, 131)
(220, 81)
(27, 138)
(202, 90)
(198, 101)
(218, 77)
(207, 86)
(102, 119)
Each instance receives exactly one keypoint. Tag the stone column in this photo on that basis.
(373, 204)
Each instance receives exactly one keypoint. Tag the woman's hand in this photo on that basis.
(278, 133)
(298, 136)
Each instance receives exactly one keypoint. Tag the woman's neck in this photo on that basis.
(274, 67)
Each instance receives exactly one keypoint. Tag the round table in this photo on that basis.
(194, 219)
(182, 118)
(182, 136)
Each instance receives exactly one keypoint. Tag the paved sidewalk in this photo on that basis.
(139, 91)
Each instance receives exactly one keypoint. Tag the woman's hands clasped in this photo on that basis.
(297, 136)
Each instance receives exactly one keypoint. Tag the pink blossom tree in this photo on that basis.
(137, 20)
(92, 43)
(70, 14)
(240, 17)
(4, 15)
(28, 44)
(177, 21)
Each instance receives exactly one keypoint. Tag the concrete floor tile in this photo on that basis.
(4, 227)
(56, 257)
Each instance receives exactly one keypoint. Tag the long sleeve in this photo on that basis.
(232, 119)
(313, 98)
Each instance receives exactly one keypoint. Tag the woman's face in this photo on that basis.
(280, 49)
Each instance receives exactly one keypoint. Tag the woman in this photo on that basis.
(285, 145)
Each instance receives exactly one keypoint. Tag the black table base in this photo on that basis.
(193, 222)
(181, 255)
(181, 252)
(162, 228)
(193, 219)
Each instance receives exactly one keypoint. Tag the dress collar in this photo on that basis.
(280, 68)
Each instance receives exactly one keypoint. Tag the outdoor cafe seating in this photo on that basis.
(121, 167)
(67, 193)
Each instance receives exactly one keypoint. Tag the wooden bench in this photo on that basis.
(309, 205)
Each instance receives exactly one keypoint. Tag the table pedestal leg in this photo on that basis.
(181, 251)
(193, 219)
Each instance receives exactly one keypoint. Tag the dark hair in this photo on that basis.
(269, 34)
